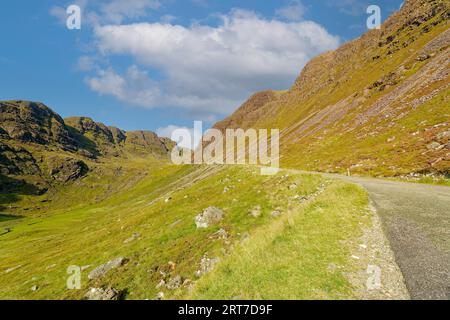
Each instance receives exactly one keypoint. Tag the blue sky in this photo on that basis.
(160, 64)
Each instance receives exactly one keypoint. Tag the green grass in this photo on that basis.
(292, 258)
(70, 231)
(337, 141)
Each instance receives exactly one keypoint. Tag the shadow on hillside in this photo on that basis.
(10, 191)
(9, 217)
(82, 141)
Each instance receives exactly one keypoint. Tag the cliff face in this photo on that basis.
(39, 149)
(377, 105)
(33, 122)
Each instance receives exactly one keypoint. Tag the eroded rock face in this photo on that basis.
(209, 217)
(33, 122)
(68, 170)
(102, 270)
(17, 161)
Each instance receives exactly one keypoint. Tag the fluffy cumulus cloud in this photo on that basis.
(205, 68)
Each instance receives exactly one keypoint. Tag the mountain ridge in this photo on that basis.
(40, 149)
(359, 107)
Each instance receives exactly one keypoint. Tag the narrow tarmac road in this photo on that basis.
(416, 220)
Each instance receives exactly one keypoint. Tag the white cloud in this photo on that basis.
(168, 18)
(292, 12)
(207, 69)
(98, 12)
(86, 63)
(135, 87)
(190, 132)
(118, 10)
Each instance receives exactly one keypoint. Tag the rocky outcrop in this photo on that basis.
(209, 217)
(100, 294)
(147, 141)
(67, 170)
(44, 150)
(113, 141)
(206, 265)
(17, 161)
(103, 269)
(33, 122)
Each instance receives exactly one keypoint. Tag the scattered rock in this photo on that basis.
(68, 170)
(134, 237)
(174, 283)
(161, 284)
(423, 57)
(221, 234)
(255, 212)
(168, 200)
(443, 135)
(209, 217)
(13, 269)
(206, 265)
(34, 288)
(245, 236)
(160, 296)
(226, 189)
(434, 146)
(102, 270)
(293, 186)
(187, 282)
(172, 265)
(276, 214)
(100, 294)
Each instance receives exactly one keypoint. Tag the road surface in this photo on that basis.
(416, 220)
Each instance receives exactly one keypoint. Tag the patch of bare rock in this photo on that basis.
(206, 265)
(209, 217)
(103, 269)
(103, 294)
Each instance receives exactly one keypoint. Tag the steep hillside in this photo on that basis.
(378, 105)
(39, 150)
(164, 236)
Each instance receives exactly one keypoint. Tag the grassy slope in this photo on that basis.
(292, 257)
(337, 150)
(393, 141)
(70, 231)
